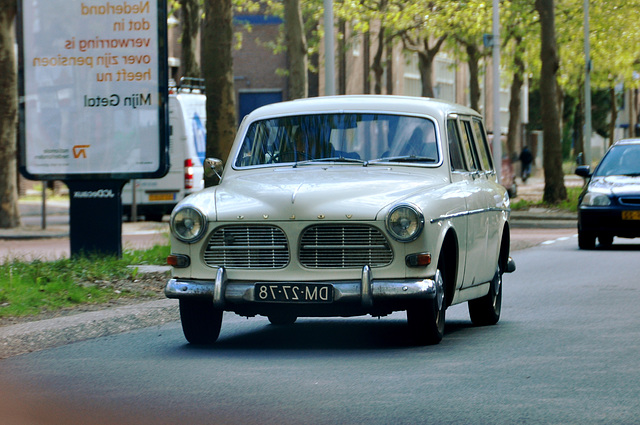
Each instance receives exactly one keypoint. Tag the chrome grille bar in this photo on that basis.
(247, 247)
(344, 246)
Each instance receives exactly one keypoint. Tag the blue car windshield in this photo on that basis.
(344, 137)
(621, 160)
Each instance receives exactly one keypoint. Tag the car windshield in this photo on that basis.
(345, 138)
(621, 160)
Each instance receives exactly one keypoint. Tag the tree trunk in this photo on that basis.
(296, 50)
(426, 56)
(190, 27)
(376, 66)
(9, 214)
(389, 47)
(474, 75)
(578, 124)
(614, 116)
(425, 61)
(515, 105)
(554, 189)
(217, 67)
(342, 57)
(366, 65)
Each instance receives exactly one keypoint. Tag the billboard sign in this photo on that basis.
(93, 89)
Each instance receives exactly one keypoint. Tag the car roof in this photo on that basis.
(627, 142)
(363, 103)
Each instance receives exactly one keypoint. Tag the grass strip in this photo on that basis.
(34, 287)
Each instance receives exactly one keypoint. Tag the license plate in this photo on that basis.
(162, 197)
(294, 292)
(631, 215)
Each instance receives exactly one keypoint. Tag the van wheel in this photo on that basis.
(201, 321)
(153, 217)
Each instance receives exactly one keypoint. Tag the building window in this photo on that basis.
(412, 82)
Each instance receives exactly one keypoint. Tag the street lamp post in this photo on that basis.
(329, 54)
(587, 87)
(497, 139)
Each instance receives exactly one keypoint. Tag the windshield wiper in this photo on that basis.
(405, 158)
(632, 174)
(335, 159)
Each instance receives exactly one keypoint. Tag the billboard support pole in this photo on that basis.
(95, 217)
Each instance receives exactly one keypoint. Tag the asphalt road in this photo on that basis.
(565, 352)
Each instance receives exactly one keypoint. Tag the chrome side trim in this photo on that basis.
(465, 213)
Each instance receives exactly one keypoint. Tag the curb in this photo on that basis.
(35, 336)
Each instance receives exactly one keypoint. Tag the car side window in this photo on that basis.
(468, 147)
(483, 146)
(455, 148)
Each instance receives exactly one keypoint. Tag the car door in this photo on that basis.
(466, 171)
(476, 268)
(492, 196)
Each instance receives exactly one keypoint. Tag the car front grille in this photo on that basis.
(344, 246)
(247, 247)
(627, 200)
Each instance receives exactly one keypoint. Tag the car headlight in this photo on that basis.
(594, 199)
(188, 224)
(405, 223)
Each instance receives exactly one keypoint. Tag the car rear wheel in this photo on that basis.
(426, 319)
(486, 310)
(201, 321)
(586, 240)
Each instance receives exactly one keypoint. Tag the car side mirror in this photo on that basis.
(584, 171)
(213, 167)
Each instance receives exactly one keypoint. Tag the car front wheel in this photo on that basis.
(201, 321)
(486, 310)
(282, 319)
(586, 240)
(605, 241)
(426, 319)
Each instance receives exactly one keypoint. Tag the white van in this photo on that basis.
(187, 143)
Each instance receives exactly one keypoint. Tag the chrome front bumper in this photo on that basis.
(365, 291)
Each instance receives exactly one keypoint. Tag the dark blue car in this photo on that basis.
(609, 205)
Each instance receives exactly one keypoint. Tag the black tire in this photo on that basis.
(153, 217)
(282, 319)
(586, 240)
(201, 321)
(486, 310)
(426, 319)
(605, 241)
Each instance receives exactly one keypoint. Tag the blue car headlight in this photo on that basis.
(595, 199)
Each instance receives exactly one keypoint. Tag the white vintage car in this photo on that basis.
(344, 206)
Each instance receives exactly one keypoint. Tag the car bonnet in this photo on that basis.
(313, 192)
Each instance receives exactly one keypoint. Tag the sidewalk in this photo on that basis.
(56, 223)
(532, 190)
(57, 214)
